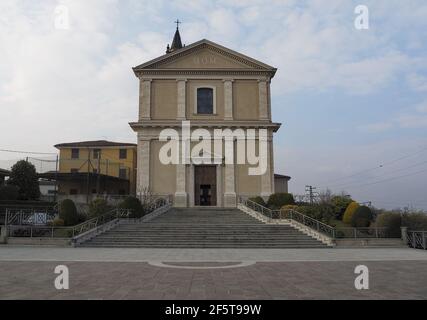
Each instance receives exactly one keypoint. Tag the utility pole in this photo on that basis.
(310, 189)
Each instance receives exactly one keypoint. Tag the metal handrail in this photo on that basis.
(290, 215)
(100, 220)
(308, 221)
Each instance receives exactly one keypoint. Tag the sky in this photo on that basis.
(352, 103)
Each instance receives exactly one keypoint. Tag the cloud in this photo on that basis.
(414, 117)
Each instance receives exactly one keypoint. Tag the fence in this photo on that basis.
(417, 239)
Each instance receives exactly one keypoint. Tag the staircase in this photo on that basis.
(203, 228)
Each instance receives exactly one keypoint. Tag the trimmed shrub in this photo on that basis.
(259, 200)
(278, 200)
(98, 207)
(132, 203)
(68, 212)
(362, 217)
(349, 211)
(392, 222)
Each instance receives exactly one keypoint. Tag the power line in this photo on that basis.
(380, 166)
(27, 152)
(397, 170)
(390, 179)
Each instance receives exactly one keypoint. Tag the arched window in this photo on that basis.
(205, 101)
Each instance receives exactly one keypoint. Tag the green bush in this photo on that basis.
(340, 203)
(98, 207)
(415, 221)
(349, 211)
(132, 203)
(278, 200)
(362, 217)
(323, 212)
(259, 200)
(9, 192)
(392, 222)
(68, 212)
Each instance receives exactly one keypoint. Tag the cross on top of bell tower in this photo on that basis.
(176, 42)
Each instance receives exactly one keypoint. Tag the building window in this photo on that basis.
(95, 171)
(74, 191)
(74, 170)
(123, 173)
(96, 153)
(123, 153)
(74, 153)
(205, 100)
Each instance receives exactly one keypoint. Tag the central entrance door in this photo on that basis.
(205, 185)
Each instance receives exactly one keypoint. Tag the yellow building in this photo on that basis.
(93, 168)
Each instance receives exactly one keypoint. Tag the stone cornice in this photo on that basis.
(204, 72)
(232, 124)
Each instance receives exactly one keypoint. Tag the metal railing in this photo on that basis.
(417, 239)
(356, 233)
(290, 215)
(308, 222)
(323, 228)
(33, 216)
(34, 231)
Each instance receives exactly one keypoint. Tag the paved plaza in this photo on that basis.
(28, 273)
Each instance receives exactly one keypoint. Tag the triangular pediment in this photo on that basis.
(204, 54)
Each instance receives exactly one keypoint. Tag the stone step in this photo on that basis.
(205, 228)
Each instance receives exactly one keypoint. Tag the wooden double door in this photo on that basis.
(205, 186)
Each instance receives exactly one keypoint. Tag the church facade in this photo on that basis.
(205, 88)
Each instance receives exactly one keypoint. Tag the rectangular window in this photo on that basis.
(205, 101)
(74, 153)
(96, 153)
(74, 191)
(74, 170)
(123, 173)
(123, 153)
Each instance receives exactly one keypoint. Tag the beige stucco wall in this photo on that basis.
(162, 177)
(164, 99)
(245, 99)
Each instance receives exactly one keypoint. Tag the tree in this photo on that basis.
(9, 193)
(24, 176)
(349, 211)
